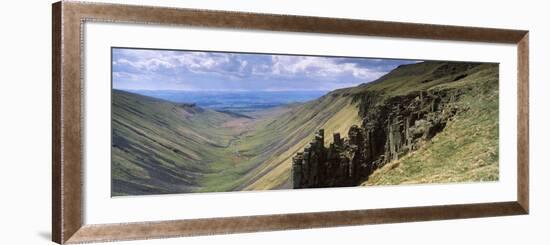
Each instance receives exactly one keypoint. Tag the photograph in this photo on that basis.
(192, 121)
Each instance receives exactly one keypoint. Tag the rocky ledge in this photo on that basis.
(391, 127)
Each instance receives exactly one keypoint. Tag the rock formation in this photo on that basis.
(391, 127)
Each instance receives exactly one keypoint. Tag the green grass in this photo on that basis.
(465, 151)
(162, 147)
(269, 148)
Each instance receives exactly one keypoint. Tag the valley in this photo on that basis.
(164, 146)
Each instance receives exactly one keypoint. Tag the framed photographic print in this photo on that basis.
(176, 122)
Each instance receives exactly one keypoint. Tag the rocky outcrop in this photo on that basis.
(391, 127)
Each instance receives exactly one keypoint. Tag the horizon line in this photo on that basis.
(183, 90)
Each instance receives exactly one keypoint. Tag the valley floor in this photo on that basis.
(161, 147)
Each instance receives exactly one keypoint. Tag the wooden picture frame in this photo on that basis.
(68, 19)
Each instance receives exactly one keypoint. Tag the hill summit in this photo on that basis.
(401, 112)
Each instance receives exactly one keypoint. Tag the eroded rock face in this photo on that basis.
(391, 128)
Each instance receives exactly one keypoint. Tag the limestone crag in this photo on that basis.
(391, 127)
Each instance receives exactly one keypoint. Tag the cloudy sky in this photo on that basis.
(144, 69)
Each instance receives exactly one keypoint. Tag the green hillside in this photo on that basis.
(163, 147)
(467, 149)
(277, 139)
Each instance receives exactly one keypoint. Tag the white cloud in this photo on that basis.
(152, 64)
(320, 67)
(153, 60)
(202, 62)
(252, 70)
(244, 63)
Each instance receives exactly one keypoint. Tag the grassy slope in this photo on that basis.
(294, 130)
(192, 150)
(267, 150)
(163, 147)
(469, 146)
(466, 150)
(414, 77)
(168, 148)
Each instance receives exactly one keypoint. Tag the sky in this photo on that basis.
(148, 69)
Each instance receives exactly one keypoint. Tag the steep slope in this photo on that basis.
(278, 139)
(424, 122)
(162, 147)
(432, 121)
(466, 150)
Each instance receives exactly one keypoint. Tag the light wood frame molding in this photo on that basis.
(67, 22)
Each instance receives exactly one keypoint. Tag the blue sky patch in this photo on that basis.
(148, 69)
